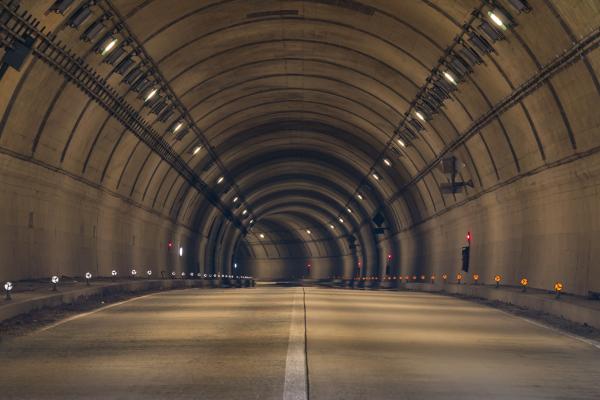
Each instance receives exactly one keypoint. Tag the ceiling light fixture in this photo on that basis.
(176, 126)
(387, 162)
(109, 46)
(450, 78)
(500, 19)
(151, 94)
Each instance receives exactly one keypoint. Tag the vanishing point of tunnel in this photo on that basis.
(300, 199)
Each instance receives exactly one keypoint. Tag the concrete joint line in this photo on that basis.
(296, 368)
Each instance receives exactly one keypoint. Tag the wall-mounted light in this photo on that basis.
(109, 46)
(341, 220)
(54, 280)
(308, 231)
(359, 196)
(150, 94)
(114, 274)
(262, 235)
(176, 126)
(133, 273)
(459, 278)
(450, 78)
(220, 180)
(387, 162)
(106, 44)
(180, 251)
(196, 150)
(88, 276)
(376, 176)
(332, 226)
(420, 115)
(401, 142)
(476, 278)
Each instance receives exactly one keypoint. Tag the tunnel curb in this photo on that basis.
(14, 308)
(542, 302)
(574, 310)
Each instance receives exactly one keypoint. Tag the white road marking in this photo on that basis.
(294, 387)
(64, 321)
(591, 342)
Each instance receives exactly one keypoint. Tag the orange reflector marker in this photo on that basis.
(524, 283)
(558, 287)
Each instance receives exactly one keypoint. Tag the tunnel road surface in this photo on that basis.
(295, 343)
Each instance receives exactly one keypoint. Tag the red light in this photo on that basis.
(170, 244)
(469, 237)
(389, 256)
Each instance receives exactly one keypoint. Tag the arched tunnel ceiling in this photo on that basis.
(299, 102)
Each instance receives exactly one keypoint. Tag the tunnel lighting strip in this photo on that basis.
(570, 56)
(176, 102)
(415, 112)
(446, 75)
(17, 26)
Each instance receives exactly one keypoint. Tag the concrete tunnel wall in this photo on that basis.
(295, 139)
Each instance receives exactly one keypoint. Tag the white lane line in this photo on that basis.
(591, 342)
(64, 321)
(294, 387)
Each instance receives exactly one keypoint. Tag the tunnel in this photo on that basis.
(326, 199)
